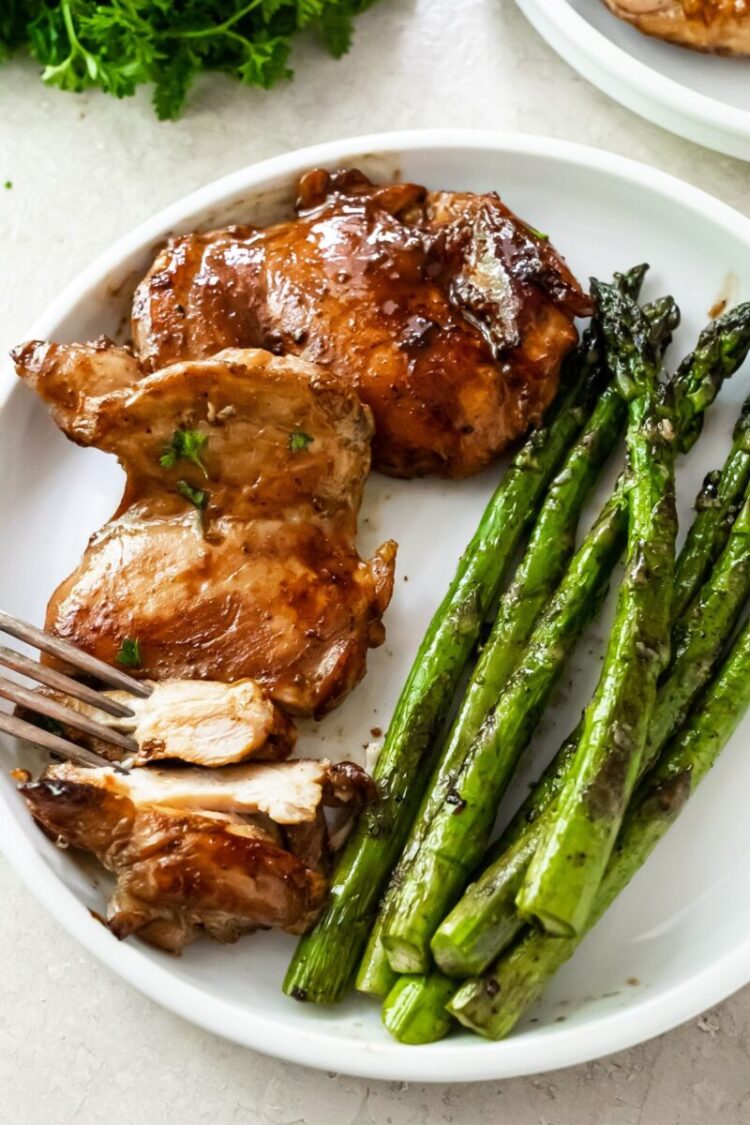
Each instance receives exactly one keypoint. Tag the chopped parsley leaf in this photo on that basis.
(538, 233)
(187, 445)
(299, 440)
(130, 652)
(196, 496)
(8, 185)
(50, 725)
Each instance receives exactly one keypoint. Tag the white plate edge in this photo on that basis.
(636, 85)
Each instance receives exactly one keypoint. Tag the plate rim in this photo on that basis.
(636, 85)
(449, 1061)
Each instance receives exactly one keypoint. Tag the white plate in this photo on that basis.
(702, 97)
(683, 928)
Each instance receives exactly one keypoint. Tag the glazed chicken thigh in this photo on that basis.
(184, 863)
(722, 26)
(449, 315)
(232, 554)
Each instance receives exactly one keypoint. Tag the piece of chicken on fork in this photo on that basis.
(449, 315)
(232, 554)
(198, 851)
(197, 722)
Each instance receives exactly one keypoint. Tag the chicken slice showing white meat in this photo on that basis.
(287, 792)
(200, 722)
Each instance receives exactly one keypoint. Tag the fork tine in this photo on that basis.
(43, 705)
(52, 742)
(51, 678)
(72, 655)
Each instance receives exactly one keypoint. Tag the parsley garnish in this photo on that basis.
(121, 44)
(195, 495)
(299, 440)
(538, 233)
(185, 444)
(50, 725)
(130, 652)
(8, 185)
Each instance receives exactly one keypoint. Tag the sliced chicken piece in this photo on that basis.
(447, 313)
(201, 722)
(232, 554)
(287, 792)
(720, 26)
(209, 724)
(181, 872)
(71, 374)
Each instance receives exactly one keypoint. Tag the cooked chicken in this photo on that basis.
(69, 375)
(181, 871)
(287, 792)
(209, 723)
(201, 722)
(721, 26)
(447, 313)
(232, 554)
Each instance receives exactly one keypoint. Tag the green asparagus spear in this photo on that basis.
(701, 635)
(721, 349)
(485, 920)
(375, 977)
(493, 1004)
(716, 507)
(565, 872)
(323, 965)
(456, 837)
(424, 1021)
(630, 283)
(415, 1011)
(547, 554)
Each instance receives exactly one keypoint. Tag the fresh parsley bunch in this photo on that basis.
(119, 44)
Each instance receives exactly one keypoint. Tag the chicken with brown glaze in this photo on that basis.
(232, 554)
(199, 851)
(447, 313)
(721, 26)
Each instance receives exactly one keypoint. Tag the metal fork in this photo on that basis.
(42, 705)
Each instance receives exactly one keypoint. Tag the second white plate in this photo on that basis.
(704, 98)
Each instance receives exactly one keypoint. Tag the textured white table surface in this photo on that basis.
(76, 1044)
